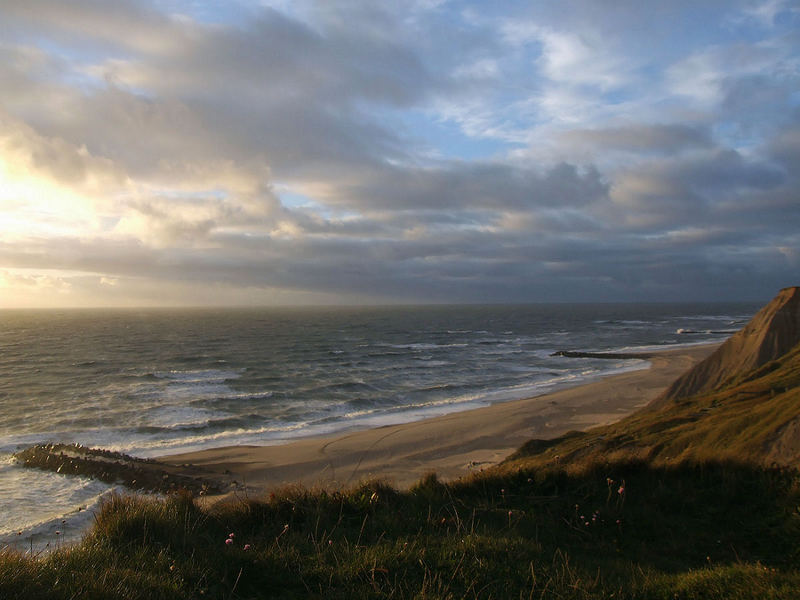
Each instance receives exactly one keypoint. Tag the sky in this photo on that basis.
(283, 152)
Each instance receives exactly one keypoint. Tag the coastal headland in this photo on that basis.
(452, 445)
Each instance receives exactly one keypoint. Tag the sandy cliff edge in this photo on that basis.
(770, 334)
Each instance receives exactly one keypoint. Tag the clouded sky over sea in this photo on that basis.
(278, 152)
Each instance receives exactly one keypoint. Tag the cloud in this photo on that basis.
(456, 187)
(700, 188)
(766, 11)
(354, 151)
(37, 283)
(640, 138)
(56, 159)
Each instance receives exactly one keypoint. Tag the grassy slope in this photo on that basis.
(712, 530)
(740, 422)
(668, 503)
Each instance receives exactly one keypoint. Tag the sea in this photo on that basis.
(154, 382)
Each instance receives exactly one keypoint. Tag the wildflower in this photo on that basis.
(621, 490)
(228, 542)
(247, 546)
(231, 535)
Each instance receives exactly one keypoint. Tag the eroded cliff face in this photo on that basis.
(770, 334)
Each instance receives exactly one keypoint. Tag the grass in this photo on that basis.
(691, 530)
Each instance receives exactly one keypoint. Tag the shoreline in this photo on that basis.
(451, 445)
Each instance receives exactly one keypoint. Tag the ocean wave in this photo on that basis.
(683, 331)
(384, 354)
(199, 376)
(429, 363)
(419, 346)
(352, 385)
(48, 499)
(177, 417)
(239, 422)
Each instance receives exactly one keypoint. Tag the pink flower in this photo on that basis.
(231, 535)
(247, 546)
(228, 542)
(621, 490)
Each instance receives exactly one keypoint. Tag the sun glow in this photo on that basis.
(34, 206)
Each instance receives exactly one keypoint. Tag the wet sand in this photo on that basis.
(451, 445)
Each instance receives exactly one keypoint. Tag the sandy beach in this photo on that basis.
(451, 445)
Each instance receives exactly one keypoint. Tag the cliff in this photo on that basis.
(771, 333)
(742, 404)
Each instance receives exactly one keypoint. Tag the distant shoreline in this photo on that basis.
(452, 445)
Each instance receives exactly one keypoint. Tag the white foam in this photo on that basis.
(175, 417)
(39, 503)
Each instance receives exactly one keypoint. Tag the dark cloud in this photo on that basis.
(476, 185)
(640, 138)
